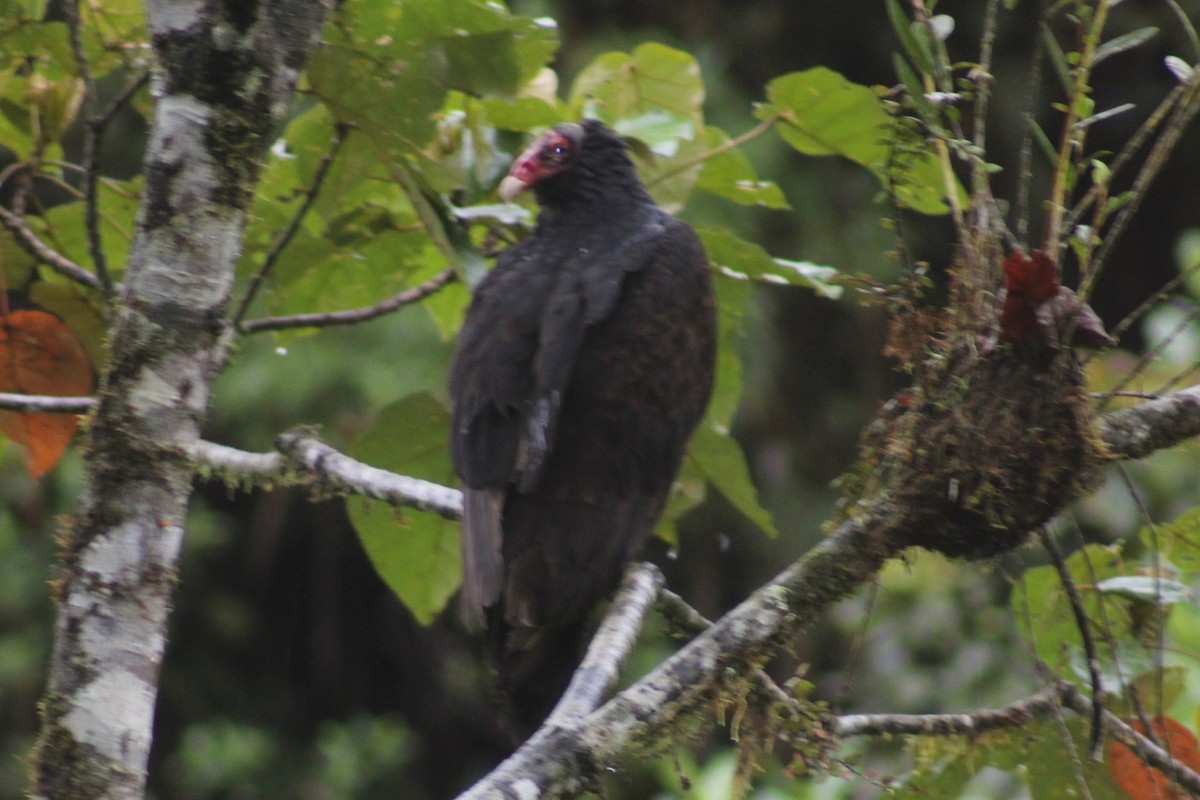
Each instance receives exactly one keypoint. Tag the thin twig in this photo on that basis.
(1025, 155)
(983, 89)
(1073, 136)
(1181, 117)
(44, 253)
(341, 131)
(1128, 151)
(46, 404)
(91, 150)
(1085, 633)
(1045, 703)
(970, 724)
(737, 141)
(1147, 358)
(407, 297)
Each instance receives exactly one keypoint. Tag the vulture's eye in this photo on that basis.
(556, 150)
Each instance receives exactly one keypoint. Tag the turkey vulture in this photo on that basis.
(585, 362)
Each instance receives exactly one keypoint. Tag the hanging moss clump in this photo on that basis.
(996, 432)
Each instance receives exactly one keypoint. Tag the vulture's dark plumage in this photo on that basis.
(585, 363)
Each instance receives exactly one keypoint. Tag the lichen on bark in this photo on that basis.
(223, 91)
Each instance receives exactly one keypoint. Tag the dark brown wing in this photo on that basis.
(519, 346)
(491, 382)
(639, 384)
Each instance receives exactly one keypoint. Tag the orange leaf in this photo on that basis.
(40, 355)
(1141, 782)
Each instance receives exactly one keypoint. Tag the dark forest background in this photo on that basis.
(294, 672)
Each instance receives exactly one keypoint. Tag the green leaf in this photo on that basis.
(416, 553)
(731, 175)
(660, 131)
(19, 266)
(114, 34)
(489, 50)
(315, 274)
(821, 113)
(653, 77)
(1058, 59)
(390, 91)
(1177, 542)
(1122, 43)
(1043, 611)
(1147, 588)
(742, 260)
(717, 459)
(118, 207)
(914, 88)
(911, 37)
(733, 296)
(521, 114)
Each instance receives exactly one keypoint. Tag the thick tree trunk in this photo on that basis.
(227, 72)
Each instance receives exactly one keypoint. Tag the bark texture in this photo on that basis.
(226, 75)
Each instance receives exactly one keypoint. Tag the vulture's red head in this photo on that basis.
(574, 162)
(550, 154)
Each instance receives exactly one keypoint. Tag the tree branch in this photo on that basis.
(1042, 704)
(397, 301)
(335, 472)
(1046, 703)
(43, 252)
(45, 404)
(1139, 431)
(560, 760)
(611, 645)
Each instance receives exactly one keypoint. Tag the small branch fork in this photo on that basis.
(43, 252)
(341, 131)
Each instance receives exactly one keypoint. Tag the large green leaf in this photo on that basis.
(718, 460)
(732, 176)
(1043, 610)
(393, 84)
(319, 275)
(416, 553)
(654, 95)
(489, 50)
(1177, 542)
(114, 34)
(742, 260)
(118, 207)
(820, 113)
(654, 77)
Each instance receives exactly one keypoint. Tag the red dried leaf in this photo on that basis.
(1039, 311)
(1141, 782)
(40, 355)
(1029, 281)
